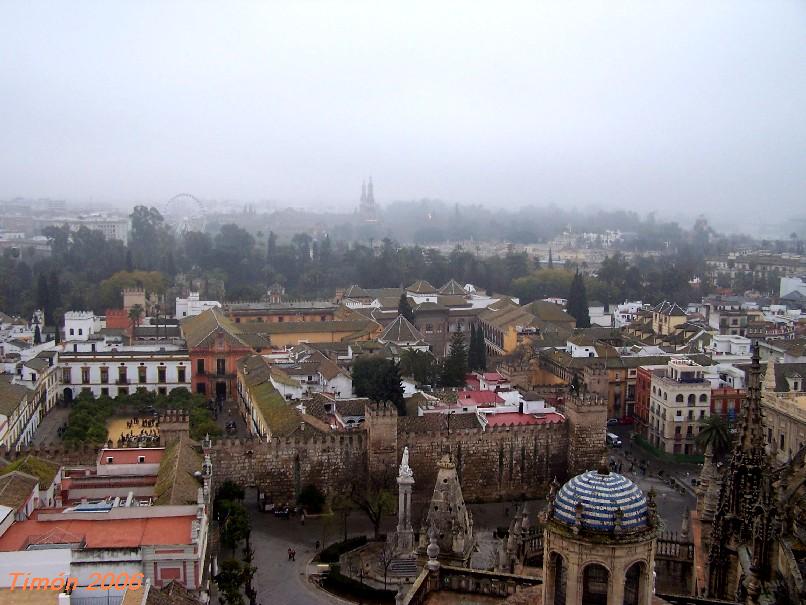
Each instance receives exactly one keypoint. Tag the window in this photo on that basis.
(85, 375)
(781, 446)
(105, 392)
(677, 430)
(199, 366)
(702, 413)
(769, 435)
(109, 459)
(72, 332)
(429, 329)
(221, 366)
(180, 374)
(703, 398)
(104, 375)
(161, 375)
(66, 375)
(692, 399)
(80, 331)
(162, 391)
(122, 378)
(141, 459)
(691, 414)
(679, 399)
(201, 388)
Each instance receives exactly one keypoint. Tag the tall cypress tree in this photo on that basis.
(482, 350)
(578, 302)
(472, 350)
(454, 368)
(37, 335)
(404, 308)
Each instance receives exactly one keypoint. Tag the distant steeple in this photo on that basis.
(370, 193)
(363, 193)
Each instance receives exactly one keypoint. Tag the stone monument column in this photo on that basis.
(405, 481)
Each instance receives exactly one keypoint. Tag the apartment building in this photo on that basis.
(680, 399)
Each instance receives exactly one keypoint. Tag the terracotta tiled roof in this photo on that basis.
(549, 312)
(101, 532)
(15, 488)
(401, 330)
(199, 330)
(176, 483)
(10, 395)
(421, 287)
(453, 287)
(437, 423)
(42, 469)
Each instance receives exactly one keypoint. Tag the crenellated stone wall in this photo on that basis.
(496, 464)
(280, 468)
(502, 462)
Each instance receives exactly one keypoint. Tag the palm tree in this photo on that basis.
(714, 431)
(135, 316)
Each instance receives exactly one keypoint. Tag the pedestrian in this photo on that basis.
(289, 553)
(317, 545)
(293, 555)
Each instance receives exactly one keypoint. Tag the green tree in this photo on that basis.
(37, 335)
(375, 501)
(714, 431)
(378, 379)
(231, 580)
(404, 308)
(481, 353)
(472, 350)
(578, 302)
(420, 365)
(454, 367)
(233, 521)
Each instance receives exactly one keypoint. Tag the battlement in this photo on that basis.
(381, 409)
(174, 416)
(78, 315)
(135, 290)
(61, 453)
(586, 400)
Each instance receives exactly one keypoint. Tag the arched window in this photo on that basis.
(679, 398)
(692, 399)
(664, 396)
(703, 398)
(634, 584)
(595, 584)
(654, 392)
(556, 579)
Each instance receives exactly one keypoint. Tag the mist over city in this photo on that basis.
(424, 303)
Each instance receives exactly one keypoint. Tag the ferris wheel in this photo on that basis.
(186, 212)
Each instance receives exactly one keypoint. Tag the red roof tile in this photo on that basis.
(101, 533)
(478, 397)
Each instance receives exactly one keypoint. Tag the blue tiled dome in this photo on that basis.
(601, 495)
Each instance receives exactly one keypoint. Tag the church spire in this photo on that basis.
(363, 192)
(751, 429)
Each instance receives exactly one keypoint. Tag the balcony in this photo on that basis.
(122, 381)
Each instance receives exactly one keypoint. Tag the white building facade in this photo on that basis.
(121, 372)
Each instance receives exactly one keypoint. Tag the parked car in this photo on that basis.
(612, 421)
(613, 440)
(626, 420)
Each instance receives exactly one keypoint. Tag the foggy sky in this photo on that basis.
(648, 104)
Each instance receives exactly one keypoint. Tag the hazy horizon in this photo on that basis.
(674, 107)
